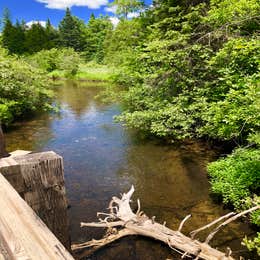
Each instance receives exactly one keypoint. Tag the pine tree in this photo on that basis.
(7, 35)
(13, 36)
(36, 38)
(51, 35)
(19, 37)
(71, 32)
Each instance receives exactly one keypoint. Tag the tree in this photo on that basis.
(96, 31)
(124, 7)
(71, 32)
(52, 36)
(13, 36)
(36, 38)
(6, 16)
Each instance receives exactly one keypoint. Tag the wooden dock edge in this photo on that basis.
(23, 235)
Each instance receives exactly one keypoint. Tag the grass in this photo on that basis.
(95, 72)
(87, 71)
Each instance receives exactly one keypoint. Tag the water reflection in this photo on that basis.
(103, 159)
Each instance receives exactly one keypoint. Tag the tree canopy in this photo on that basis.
(124, 7)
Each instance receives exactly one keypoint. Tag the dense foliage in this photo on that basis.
(124, 7)
(23, 89)
(44, 52)
(237, 178)
(181, 82)
(54, 60)
(190, 69)
(19, 38)
(72, 32)
(95, 33)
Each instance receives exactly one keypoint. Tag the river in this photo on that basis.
(103, 159)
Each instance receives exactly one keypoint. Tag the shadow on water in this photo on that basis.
(103, 159)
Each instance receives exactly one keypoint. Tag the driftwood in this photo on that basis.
(121, 221)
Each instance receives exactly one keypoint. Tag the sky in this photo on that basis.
(41, 10)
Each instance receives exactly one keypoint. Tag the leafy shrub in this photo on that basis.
(65, 60)
(253, 244)
(237, 180)
(237, 176)
(23, 88)
(240, 14)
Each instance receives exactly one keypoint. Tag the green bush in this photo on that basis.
(65, 60)
(237, 180)
(236, 177)
(23, 88)
(253, 244)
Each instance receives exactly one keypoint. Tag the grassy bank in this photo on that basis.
(95, 72)
(86, 71)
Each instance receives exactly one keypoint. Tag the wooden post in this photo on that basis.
(39, 180)
(3, 152)
(22, 233)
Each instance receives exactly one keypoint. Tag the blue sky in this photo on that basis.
(41, 10)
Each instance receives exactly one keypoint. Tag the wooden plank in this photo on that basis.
(39, 179)
(23, 235)
(19, 152)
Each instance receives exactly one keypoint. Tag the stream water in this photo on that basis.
(103, 159)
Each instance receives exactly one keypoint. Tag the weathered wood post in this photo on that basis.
(23, 235)
(39, 179)
(3, 152)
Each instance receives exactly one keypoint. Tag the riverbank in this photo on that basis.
(87, 72)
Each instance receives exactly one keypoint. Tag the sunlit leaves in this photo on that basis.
(23, 89)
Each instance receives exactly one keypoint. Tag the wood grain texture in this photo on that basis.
(39, 179)
(23, 235)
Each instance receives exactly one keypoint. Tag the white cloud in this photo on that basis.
(62, 4)
(111, 9)
(114, 20)
(42, 23)
(133, 15)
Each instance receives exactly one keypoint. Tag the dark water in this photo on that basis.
(103, 159)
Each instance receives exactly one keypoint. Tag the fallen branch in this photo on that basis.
(194, 232)
(212, 234)
(122, 221)
(183, 222)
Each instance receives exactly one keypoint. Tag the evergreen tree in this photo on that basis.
(13, 36)
(71, 32)
(36, 38)
(6, 16)
(7, 35)
(52, 36)
(19, 37)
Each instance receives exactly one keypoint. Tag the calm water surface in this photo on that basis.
(103, 159)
